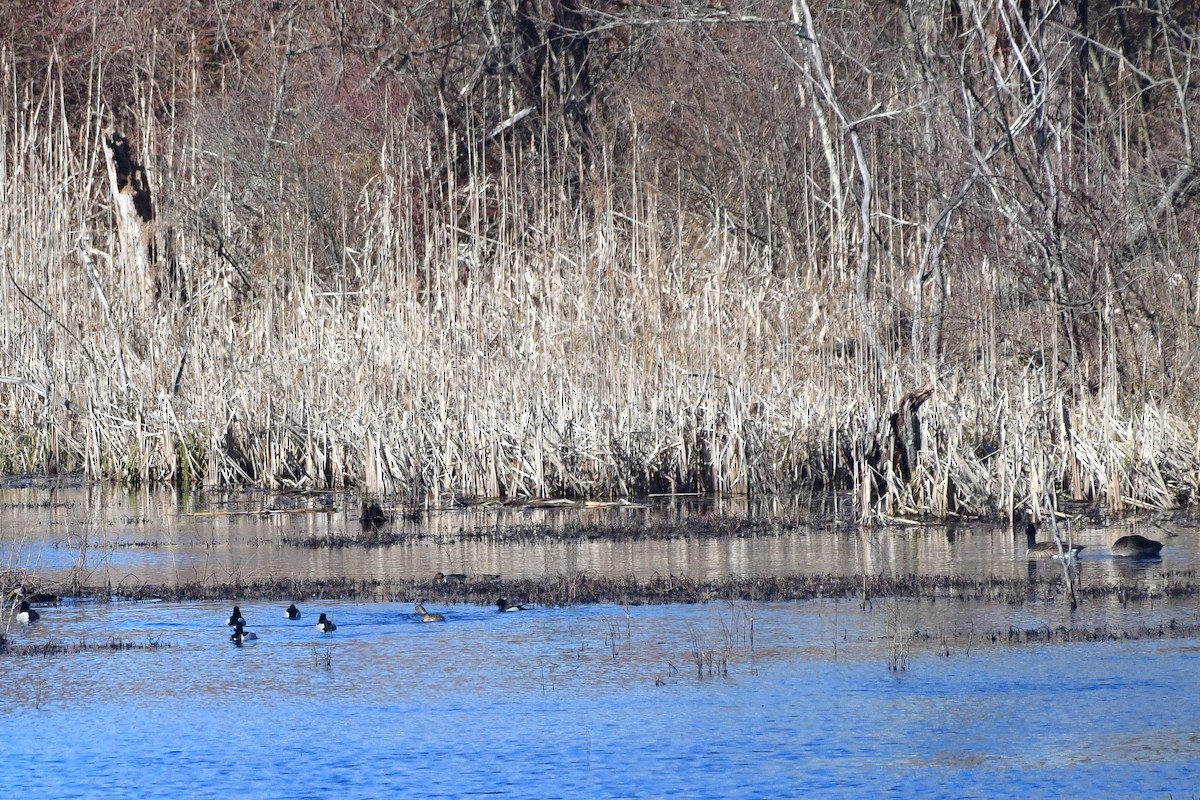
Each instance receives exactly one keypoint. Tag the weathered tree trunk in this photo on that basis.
(134, 210)
(906, 432)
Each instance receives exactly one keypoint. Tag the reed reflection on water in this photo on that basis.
(159, 537)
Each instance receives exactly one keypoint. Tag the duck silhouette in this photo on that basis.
(1038, 549)
(503, 605)
(240, 634)
(1136, 546)
(426, 616)
(25, 614)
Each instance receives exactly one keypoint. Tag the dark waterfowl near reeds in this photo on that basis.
(456, 577)
(1048, 549)
(43, 598)
(292, 612)
(25, 614)
(426, 616)
(503, 605)
(372, 515)
(1136, 546)
(236, 617)
(240, 634)
(325, 624)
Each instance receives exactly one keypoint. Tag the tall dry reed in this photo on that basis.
(492, 329)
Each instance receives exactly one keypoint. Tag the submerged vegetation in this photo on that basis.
(944, 256)
(584, 588)
(54, 647)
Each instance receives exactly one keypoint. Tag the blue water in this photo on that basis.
(566, 703)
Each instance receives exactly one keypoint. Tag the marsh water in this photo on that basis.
(723, 699)
(162, 537)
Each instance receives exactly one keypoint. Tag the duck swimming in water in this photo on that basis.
(236, 617)
(1048, 549)
(1136, 547)
(426, 616)
(325, 624)
(503, 605)
(240, 634)
(292, 612)
(372, 515)
(25, 614)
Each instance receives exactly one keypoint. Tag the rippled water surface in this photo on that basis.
(705, 701)
(592, 701)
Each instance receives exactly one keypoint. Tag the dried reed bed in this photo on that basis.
(509, 338)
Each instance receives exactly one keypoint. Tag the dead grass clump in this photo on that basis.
(54, 647)
(899, 638)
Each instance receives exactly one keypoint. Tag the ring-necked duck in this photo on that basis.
(236, 617)
(441, 577)
(503, 605)
(325, 624)
(1047, 549)
(240, 634)
(292, 612)
(27, 614)
(426, 616)
(1136, 547)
